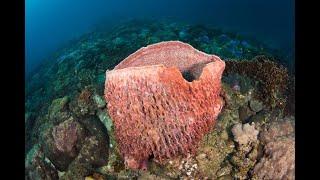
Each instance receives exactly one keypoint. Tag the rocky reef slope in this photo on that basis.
(69, 134)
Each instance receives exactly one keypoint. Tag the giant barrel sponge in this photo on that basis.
(163, 99)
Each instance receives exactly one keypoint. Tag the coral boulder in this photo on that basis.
(278, 160)
(163, 99)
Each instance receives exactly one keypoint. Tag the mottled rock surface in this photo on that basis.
(57, 111)
(278, 161)
(36, 167)
(62, 143)
(80, 143)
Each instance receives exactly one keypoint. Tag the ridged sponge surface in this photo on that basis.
(156, 112)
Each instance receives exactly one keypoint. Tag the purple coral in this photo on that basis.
(278, 161)
(65, 135)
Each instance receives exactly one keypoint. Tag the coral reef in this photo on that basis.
(290, 106)
(85, 102)
(53, 99)
(244, 134)
(245, 157)
(66, 135)
(63, 142)
(219, 155)
(278, 129)
(273, 79)
(37, 167)
(79, 144)
(155, 111)
(278, 161)
(56, 112)
(91, 155)
(82, 62)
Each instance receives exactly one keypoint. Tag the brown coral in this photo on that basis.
(156, 112)
(272, 77)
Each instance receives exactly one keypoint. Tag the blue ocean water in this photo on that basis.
(52, 23)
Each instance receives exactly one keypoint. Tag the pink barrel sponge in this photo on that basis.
(156, 112)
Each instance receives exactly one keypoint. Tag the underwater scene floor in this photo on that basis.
(70, 135)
